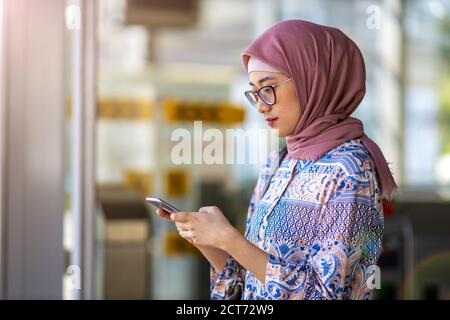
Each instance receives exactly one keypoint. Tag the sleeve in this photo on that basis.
(341, 261)
(222, 283)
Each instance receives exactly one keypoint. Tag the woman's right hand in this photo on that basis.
(166, 215)
(216, 257)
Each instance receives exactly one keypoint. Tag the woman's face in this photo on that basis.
(284, 115)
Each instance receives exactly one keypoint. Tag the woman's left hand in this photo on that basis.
(208, 227)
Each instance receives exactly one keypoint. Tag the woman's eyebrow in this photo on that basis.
(262, 80)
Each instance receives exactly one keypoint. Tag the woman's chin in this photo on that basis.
(279, 133)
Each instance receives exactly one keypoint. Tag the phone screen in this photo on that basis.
(159, 203)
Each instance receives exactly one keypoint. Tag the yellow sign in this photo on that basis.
(174, 244)
(223, 113)
(176, 183)
(124, 109)
(139, 181)
(120, 109)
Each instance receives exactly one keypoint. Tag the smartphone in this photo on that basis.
(159, 203)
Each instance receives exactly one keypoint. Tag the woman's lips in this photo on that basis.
(271, 121)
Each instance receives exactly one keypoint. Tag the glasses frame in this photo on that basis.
(257, 94)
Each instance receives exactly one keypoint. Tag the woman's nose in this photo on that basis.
(263, 107)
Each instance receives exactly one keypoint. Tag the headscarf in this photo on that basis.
(329, 75)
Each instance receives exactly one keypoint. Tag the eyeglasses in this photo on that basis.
(266, 93)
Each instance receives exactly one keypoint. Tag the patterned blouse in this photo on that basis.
(321, 224)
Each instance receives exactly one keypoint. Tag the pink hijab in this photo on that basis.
(329, 74)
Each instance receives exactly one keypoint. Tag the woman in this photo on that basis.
(316, 233)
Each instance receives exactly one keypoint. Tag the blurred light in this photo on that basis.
(437, 9)
(442, 170)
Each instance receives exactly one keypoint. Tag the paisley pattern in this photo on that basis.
(321, 224)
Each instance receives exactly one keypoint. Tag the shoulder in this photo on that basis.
(351, 157)
(355, 175)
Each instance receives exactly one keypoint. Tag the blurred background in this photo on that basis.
(92, 91)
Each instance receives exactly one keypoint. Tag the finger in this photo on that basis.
(186, 234)
(181, 216)
(208, 209)
(183, 228)
(163, 214)
(183, 225)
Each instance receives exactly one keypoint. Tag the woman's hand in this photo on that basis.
(208, 227)
(216, 238)
(166, 215)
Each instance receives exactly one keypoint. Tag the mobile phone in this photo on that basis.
(159, 203)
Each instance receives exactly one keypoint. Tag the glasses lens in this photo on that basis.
(251, 98)
(267, 94)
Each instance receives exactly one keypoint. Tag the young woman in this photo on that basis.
(316, 232)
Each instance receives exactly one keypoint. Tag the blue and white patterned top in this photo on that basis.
(321, 224)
